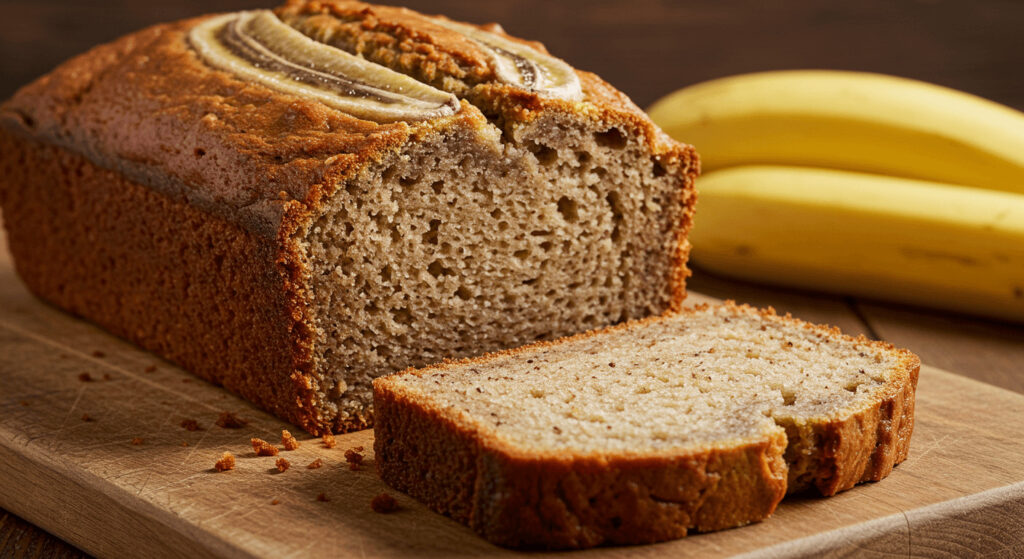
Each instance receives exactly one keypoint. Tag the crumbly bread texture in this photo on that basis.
(292, 252)
(699, 420)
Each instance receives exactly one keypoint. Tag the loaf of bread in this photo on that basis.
(293, 203)
(699, 420)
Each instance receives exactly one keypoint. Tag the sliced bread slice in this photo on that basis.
(699, 420)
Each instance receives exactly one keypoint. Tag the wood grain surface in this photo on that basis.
(648, 48)
(92, 448)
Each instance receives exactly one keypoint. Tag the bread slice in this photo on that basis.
(292, 243)
(700, 420)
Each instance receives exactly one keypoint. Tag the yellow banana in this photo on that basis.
(849, 120)
(912, 241)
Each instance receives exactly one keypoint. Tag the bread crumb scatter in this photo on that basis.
(228, 420)
(288, 441)
(106, 376)
(384, 503)
(226, 462)
(86, 417)
(275, 502)
(85, 377)
(315, 464)
(24, 403)
(354, 458)
(186, 380)
(150, 369)
(263, 448)
(190, 425)
(282, 464)
(322, 497)
(137, 441)
(329, 441)
(184, 443)
(98, 354)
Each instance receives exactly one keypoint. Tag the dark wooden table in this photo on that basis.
(648, 48)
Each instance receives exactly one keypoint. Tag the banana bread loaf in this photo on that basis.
(697, 420)
(293, 203)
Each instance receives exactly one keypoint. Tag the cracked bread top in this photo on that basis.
(148, 106)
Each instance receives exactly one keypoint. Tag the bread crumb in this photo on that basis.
(190, 425)
(186, 380)
(85, 377)
(228, 420)
(322, 497)
(150, 369)
(226, 462)
(98, 354)
(275, 502)
(184, 443)
(106, 376)
(24, 403)
(137, 441)
(329, 441)
(288, 441)
(315, 464)
(384, 503)
(354, 458)
(263, 448)
(282, 464)
(86, 417)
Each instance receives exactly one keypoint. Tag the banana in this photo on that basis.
(849, 120)
(931, 244)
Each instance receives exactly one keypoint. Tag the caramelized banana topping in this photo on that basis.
(518, 64)
(258, 46)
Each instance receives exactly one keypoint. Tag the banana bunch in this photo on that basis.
(859, 184)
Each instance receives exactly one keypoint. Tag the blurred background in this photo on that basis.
(646, 48)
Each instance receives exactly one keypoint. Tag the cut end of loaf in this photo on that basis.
(786, 405)
(480, 238)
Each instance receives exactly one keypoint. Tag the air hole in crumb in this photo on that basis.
(540, 233)
(199, 152)
(385, 273)
(463, 293)
(372, 308)
(583, 157)
(437, 269)
(388, 175)
(611, 138)
(545, 155)
(406, 182)
(522, 254)
(852, 386)
(657, 169)
(567, 207)
(530, 281)
(430, 237)
(437, 186)
(401, 316)
(546, 245)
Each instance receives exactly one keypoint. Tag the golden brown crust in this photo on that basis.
(154, 270)
(533, 498)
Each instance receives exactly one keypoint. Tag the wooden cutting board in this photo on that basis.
(962, 489)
